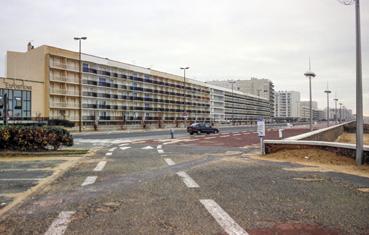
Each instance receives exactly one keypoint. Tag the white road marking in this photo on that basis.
(89, 180)
(112, 149)
(159, 147)
(123, 144)
(60, 224)
(189, 182)
(100, 166)
(147, 147)
(20, 179)
(160, 151)
(237, 134)
(224, 136)
(208, 138)
(169, 161)
(223, 219)
(108, 154)
(124, 148)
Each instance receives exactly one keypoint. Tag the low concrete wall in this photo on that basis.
(326, 134)
(319, 139)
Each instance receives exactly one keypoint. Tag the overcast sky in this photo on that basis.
(218, 39)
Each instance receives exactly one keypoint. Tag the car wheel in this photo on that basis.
(191, 133)
(198, 132)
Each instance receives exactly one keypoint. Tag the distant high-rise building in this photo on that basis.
(287, 104)
(260, 87)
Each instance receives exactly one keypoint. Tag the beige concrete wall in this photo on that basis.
(30, 66)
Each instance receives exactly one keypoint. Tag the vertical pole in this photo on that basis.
(328, 111)
(359, 90)
(311, 106)
(335, 111)
(80, 88)
(185, 105)
(262, 150)
(5, 109)
(232, 105)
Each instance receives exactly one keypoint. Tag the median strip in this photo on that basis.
(60, 224)
(223, 219)
(187, 180)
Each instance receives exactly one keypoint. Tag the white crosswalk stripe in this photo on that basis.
(147, 147)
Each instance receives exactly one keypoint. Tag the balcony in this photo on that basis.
(63, 92)
(64, 79)
(64, 67)
(64, 105)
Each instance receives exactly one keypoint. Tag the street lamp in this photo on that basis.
(340, 112)
(232, 83)
(310, 75)
(79, 39)
(328, 111)
(335, 110)
(359, 86)
(185, 114)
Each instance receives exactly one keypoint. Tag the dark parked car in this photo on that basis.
(201, 128)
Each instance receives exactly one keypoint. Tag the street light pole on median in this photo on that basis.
(79, 39)
(310, 75)
(328, 111)
(335, 110)
(185, 114)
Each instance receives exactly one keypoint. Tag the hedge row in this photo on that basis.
(33, 138)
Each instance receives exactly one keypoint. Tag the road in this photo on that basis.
(201, 184)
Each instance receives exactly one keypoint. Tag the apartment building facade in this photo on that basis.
(115, 94)
(287, 104)
(258, 87)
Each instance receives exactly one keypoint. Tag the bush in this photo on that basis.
(33, 138)
(60, 122)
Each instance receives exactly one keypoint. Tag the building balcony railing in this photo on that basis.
(63, 92)
(64, 66)
(63, 105)
(64, 79)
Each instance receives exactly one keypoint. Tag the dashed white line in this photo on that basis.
(112, 149)
(159, 147)
(147, 147)
(100, 166)
(223, 219)
(224, 136)
(108, 154)
(124, 148)
(89, 180)
(121, 145)
(169, 161)
(189, 182)
(60, 224)
(160, 151)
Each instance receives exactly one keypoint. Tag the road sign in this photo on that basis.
(261, 128)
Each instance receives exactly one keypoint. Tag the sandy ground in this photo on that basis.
(351, 138)
(320, 160)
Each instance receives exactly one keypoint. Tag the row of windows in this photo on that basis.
(140, 89)
(87, 69)
(115, 107)
(18, 105)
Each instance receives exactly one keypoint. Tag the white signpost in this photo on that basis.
(261, 133)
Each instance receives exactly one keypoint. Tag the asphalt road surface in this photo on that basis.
(201, 184)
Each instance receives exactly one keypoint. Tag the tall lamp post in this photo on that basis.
(328, 111)
(185, 114)
(232, 83)
(309, 74)
(359, 86)
(335, 110)
(79, 39)
(340, 112)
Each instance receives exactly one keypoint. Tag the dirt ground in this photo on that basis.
(351, 138)
(320, 160)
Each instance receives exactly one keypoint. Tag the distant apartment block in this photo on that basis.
(257, 87)
(287, 104)
(113, 94)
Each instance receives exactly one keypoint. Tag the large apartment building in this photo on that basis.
(287, 104)
(113, 94)
(258, 87)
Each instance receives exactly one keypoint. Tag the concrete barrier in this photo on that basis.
(319, 139)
